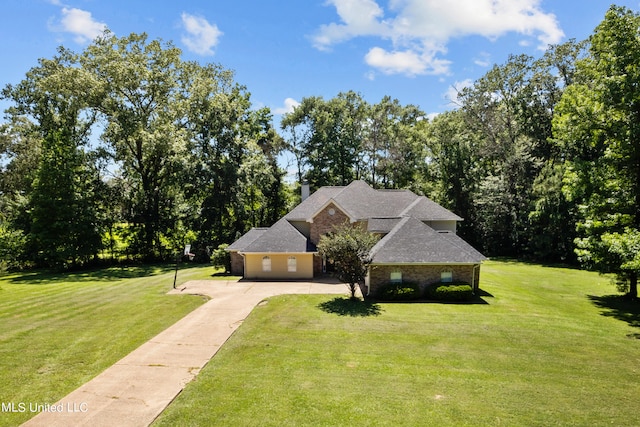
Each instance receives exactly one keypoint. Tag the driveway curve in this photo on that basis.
(136, 389)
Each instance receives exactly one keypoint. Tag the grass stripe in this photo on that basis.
(538, 353)
(57, 331)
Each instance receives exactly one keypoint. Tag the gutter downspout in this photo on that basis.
(244, 264)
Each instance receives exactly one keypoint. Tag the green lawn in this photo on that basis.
(548, 347)
(59, 331)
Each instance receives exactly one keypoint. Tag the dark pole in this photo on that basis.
(175, 276)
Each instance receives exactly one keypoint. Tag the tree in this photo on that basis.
(508, 116)
(326, 137)
(597, 127)
(234, 180)
(552, 218)
(496, 110)
(349, 248)
(12, 246)
(392, 144)
(63, 222)
(221, 258)
(452, 168)
(138, 95)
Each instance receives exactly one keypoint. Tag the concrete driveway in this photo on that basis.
(135, 390)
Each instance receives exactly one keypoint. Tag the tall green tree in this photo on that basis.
(228, 144)
(495, 113)
(553, 215)
(326, 137)
(345, 138)
(270, 181)
(597, 126)
(452, 170)
(137, 93)
(392, 146)
(62, 226)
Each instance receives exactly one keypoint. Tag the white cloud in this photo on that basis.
(419, 30)
(289, 105)
(80, 23)
(201, 36)
(409, 62)
(360, 18)
(483, 60)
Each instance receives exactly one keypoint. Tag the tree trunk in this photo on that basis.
(633, 286)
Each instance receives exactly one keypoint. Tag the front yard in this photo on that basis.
(547, 348)
(57, 331)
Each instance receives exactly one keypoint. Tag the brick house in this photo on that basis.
(418, 241)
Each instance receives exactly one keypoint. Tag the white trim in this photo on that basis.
(292, 267)
(266, 267)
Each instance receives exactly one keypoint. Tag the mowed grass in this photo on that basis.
(547, 347)
(57, 331)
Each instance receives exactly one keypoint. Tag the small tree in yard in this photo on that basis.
(349, 249)
(222, 258)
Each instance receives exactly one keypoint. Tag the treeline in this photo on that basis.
(492, 160)
(540, 156)
(125, 150)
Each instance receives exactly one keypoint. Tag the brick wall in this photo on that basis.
(323, 222)
(423, 275)
(237, 264)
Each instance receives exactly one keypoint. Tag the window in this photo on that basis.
(396, 277)
(266, 263)
(292, 264)
(446, 277)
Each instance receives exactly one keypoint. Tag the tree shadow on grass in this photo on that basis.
(106, 274)
(350, 307)
(619, 307)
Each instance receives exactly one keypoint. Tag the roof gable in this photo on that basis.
(306, 210)
(412, 241)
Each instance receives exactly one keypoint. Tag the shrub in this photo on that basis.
(455, 292)
(399, 292)
(222, 258)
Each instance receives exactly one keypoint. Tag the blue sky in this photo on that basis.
(412, 50)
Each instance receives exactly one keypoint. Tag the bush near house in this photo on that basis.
(399, 292)
(222, 258)
(453, 292)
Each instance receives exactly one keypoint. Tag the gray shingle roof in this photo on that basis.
(382, 225)
(412, 241)
(246, 239)
(428, 210)
(360, 201)
(397, 213)
(313, 204)
(280, 237)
